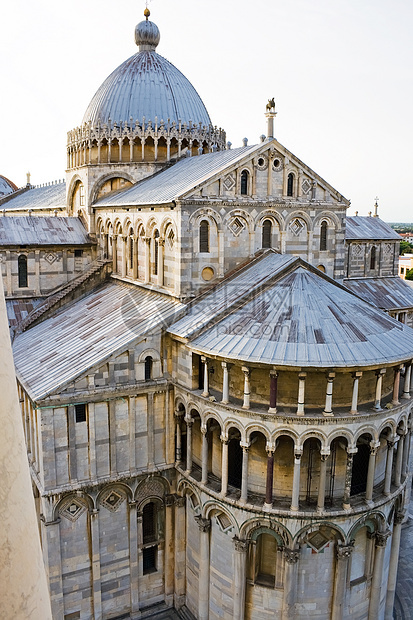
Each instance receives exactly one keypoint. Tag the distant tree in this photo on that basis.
(409, 274)
(405, 247)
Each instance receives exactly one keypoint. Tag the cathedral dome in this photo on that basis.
(146, 86)
(6, 186)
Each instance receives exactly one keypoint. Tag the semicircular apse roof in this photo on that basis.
(147, 85)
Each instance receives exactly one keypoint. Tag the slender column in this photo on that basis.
(374, 448)
(120, 142)
(246, 371)
(115, 253)
(135, 241)
(393, 564)
(178, 453)
(205, 393)
(389, 465)
(225, 383)
(291, 557)
(97, 593)
(241, 548)
(161, 250)
(180, 551)
(151, 431)
(124, 255)
(356, 378)
(169, 549)
(203, 601)
(204, 478)
(407, 381)
(147, 259)
(133, 555)
(189, 422)
(379, 384)
(396, 386)
(296, 479)
(301, 392)
(273, 391)
(399, 460)
(328, 409)
(349, 474)
(322, 483)
(376, 582)
(406, 444)
(244, 482)
(224, 466)
(343, 554)
(270, 477)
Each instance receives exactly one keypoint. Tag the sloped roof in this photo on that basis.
(32, 230)
(303, 319)
(47, 197)
(177, 180)
(86, 333)
(369, 228)
(388, 293)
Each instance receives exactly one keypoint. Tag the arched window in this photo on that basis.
(266, 234)
(204, 236)
(155, 249)
(323, 236)
(22, 267)
(244, 182)
(290, 184)
(148, 368)
(373, 257)
(149, 535)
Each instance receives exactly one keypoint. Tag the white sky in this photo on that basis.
(340, 72)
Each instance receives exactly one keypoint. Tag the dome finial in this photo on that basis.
(147, 12)
(147, 34)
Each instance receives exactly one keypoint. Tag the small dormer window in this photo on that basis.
(204, 236)
(323, 236)
(244, 182)
(290, 184)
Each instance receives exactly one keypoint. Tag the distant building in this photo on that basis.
(405, 263)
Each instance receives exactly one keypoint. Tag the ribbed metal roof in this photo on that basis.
(305, 320)
(177, 180)
(389, 293)
(369, 228)
(47, 197)
(26, 230)
(147, 86)
(19, 309)
(86, 333)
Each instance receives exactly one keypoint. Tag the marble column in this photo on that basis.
(399, 459)
(270, 477)
(244, 481)
(246, 403)
(393, 564)
(204, 476)
(273, 391)
(328, 409)
(295, 500)
(161, 251)
(203, 600)
(205, 393)
(389, 466)
(396, 385)
(343, 554)
(180, 552)
(224, 465)
(406, 444)
(407, 381)
(225, 383)
(356, 378)
(348, 477)
(189, 422)
(374, 448)
(322, 483)
(301, 393)
(147, 259)
(178, 451)
(124, 268)
(241, 548)
(379, 385)
(376, 582)
(291, 557)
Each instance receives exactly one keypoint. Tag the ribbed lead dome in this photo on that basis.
(147, 85)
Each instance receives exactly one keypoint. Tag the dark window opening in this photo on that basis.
(373, 258)
(149, 559)
(204, 236)
(234, 463)
(148, 368)
(130, 253)
(149, 523)
(200, 373)
(22, 267)
(290, 184)
(155, 263)
(80, 413)
(244, 183)
(266, 560)
(266, 234)
(360, 469)
(78, 253)
(323, 236)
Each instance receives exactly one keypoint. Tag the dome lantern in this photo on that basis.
(147, 35)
